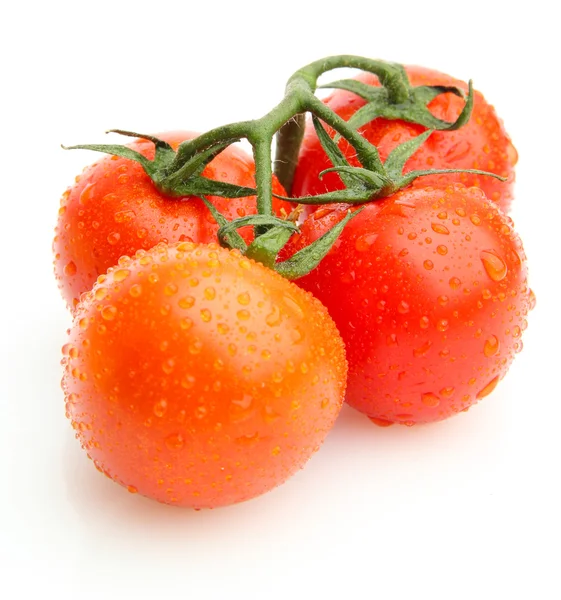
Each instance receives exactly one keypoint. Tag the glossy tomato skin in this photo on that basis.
(429, 291)
(480, 144)
(200, 378)
(114, 209)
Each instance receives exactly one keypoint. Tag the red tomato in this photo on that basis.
(480, 144)
(429, 290)
(114, 210)
(200, 378)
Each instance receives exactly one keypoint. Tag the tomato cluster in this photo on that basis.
(201, 377)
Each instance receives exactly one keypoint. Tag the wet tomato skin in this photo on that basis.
(429, 291)
(113, 209)
(482, 143)
(200, 378)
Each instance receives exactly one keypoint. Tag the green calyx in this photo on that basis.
(179, 174)
(381, 180)
(171, 179)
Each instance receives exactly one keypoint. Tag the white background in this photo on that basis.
(468, 508)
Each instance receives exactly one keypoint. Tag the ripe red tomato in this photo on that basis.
(480, 144)
(429, 290)
(114, 209)
(200, 378)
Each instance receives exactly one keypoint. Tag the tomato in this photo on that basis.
(200, 378)
(480, 144)
(114, 209)
(429, 290)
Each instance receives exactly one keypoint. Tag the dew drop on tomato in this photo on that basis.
(494, 265)
(70, 269)
(488, 388)
(175, 441)
(430, 399)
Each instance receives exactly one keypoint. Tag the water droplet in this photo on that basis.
(402, 307)
(186, 323)
(160, 408)
(135, 290)
(187, 382)
(442, 250)
(488, 388)
(276, 451)
(72, 398)
(195, 346)
(244, 298)
(206, 315)
(381, 422)
(475, 219)
(201, 412)
(70, 269)
(124, 216)
(186, 302)
(531, 299)
(168, 366)
(447, 392)
(440, 228)
(491, 346)
(170, 289)
(132, 489)
(83, 323)
(297, 335)
(120, 275)
(364, 242)
(454, 283)
(429, 265)
(424, 322)
(430, 399)
(405, 417)
(223, 328)
(442, 325)
(494, 265)
(109, 312)
(391, 340)
(243, 315)
(274, 318)
(175, 441)
(210, 293)
(422, 350)
(113, 238)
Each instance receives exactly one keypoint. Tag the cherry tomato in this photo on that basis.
(200, 378)
(429, 290)
(480, 144)
(114, 209)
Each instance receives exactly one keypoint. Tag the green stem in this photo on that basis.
(263, 175)
(392, 76)
(367, 153)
